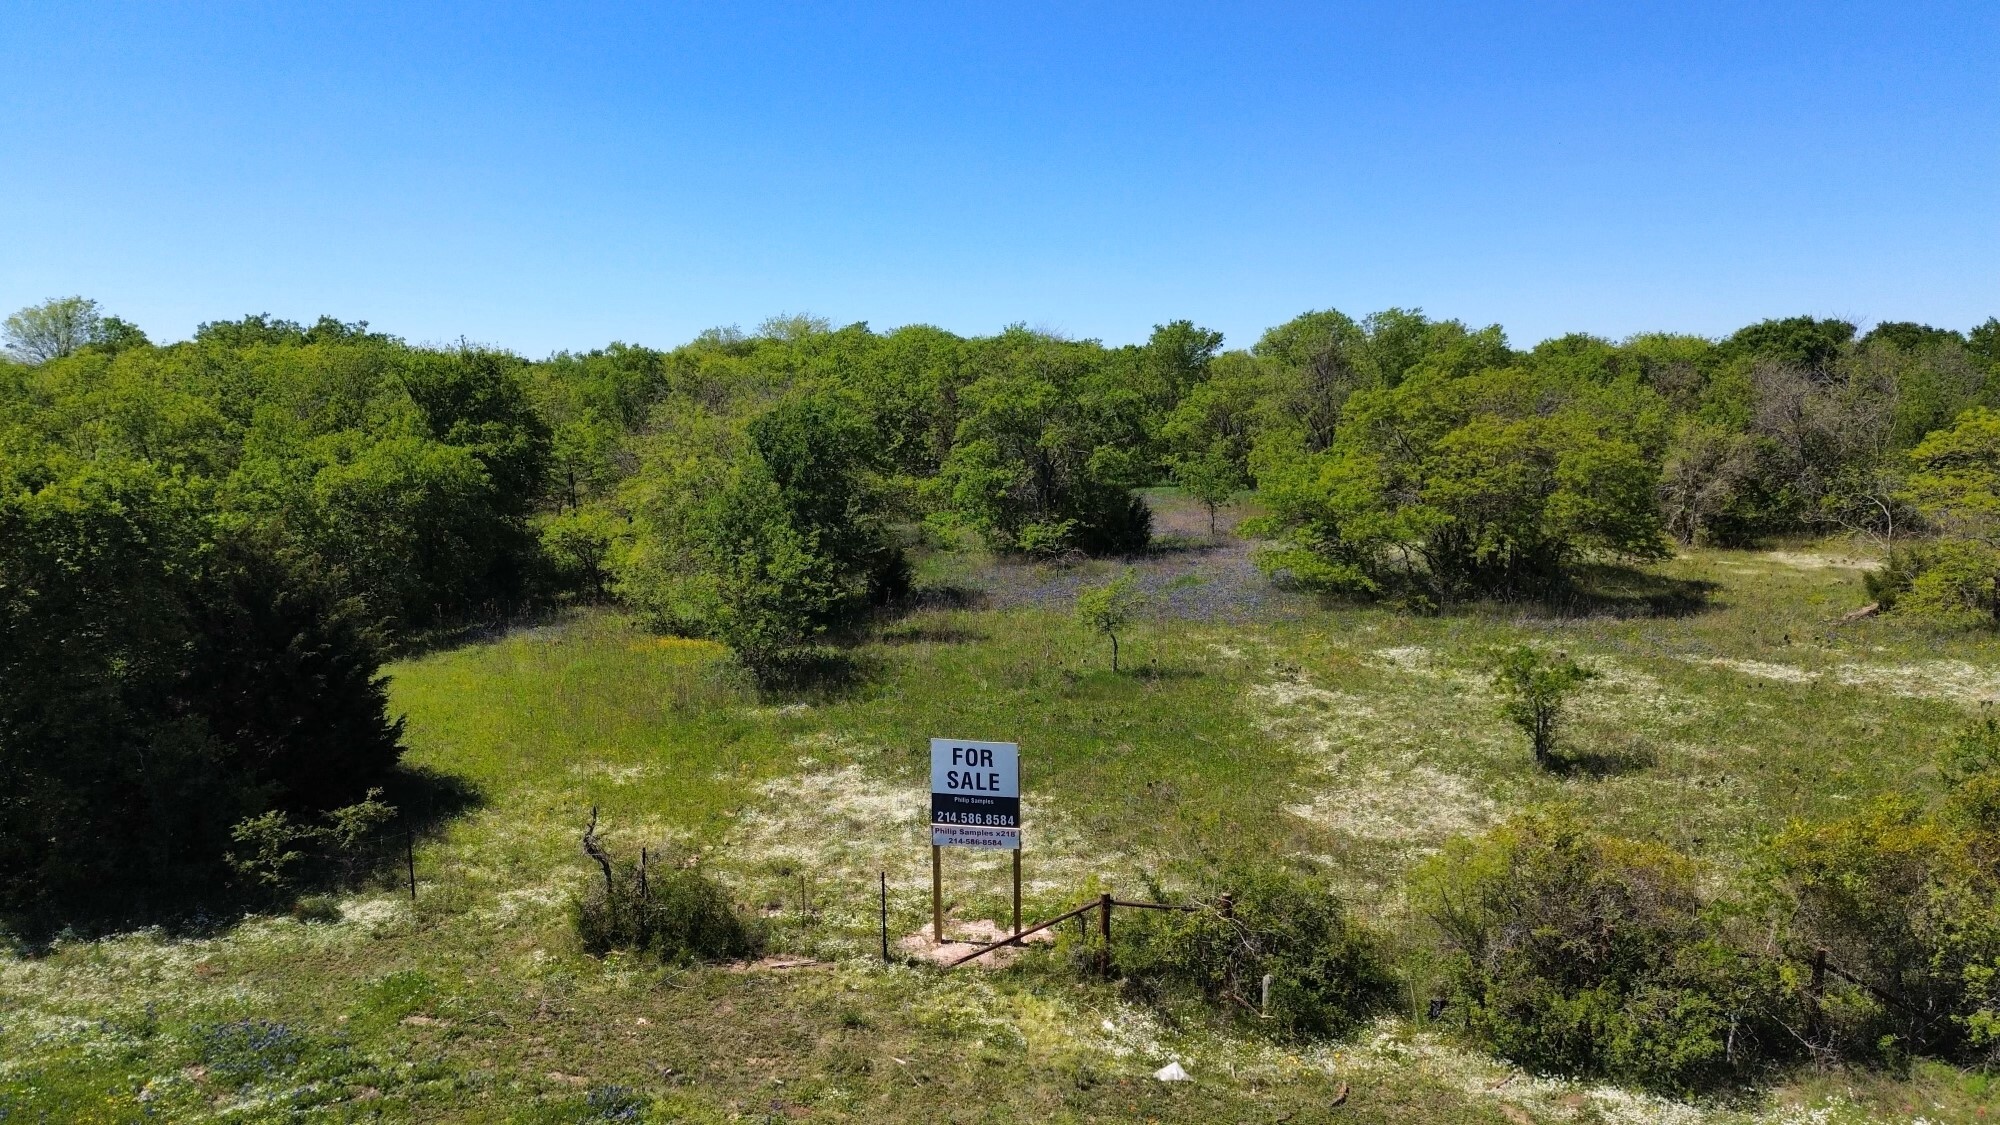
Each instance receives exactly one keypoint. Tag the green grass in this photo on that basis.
(1354, 736)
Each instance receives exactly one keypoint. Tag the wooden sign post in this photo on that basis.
(937, 894)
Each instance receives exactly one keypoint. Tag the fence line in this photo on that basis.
(1103, 905)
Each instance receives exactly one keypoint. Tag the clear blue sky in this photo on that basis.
(562, 176)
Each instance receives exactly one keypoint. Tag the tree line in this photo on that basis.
(208, 548)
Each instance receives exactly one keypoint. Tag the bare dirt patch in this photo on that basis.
(1953, 680)
(1763, 670)
(1815, 560)
(962, 938)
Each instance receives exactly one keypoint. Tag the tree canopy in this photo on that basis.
(208, 547)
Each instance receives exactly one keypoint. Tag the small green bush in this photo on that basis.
(1326, 971)
(578, 545)
(397, 996)
(272, 855)
(1948, 582)
(677, 915)
(1957, 588)
(1051, 540)
(1580, 953)
(317, 908)
(1889, 582)
(1535, 687)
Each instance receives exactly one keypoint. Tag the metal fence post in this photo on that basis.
(1104, 932)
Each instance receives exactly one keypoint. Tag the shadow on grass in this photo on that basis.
(425, 801)
(1620, 591)
(1103, 680)
(1162, 673)
(939, 596)
(1602, 763)
(445, 638)
(824, 674)
(913, 634)
(1594, 591)
(1182, 544)
(893, 625)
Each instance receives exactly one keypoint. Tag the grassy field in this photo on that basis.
(1247, 724)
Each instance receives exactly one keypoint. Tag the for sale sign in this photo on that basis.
(975, 794)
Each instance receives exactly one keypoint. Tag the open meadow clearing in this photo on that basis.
(1730, 698)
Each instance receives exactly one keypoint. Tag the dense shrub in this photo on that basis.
(273, 855)
(1586, 954)
(672, 913)
(1908, 899)
(286, 670)
(1326, 971)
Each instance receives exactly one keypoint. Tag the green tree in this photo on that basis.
(1983, 343)
(1173, 361)
(579, 545)
(778, 595)
(1709, 483)
(162, 677)
(1110, 607)
(1954, 483)
(115, 334)
(1908, 335)
(1049, 448)
(478, 401)
(1534, 688)
(1446, 487)
(1210, 476)
(1955, 477)
(1678, 367)
(405, 522)
(1802, 342)
(800, 547)
(51, 330)
(1315, 362)
(1224, 414)
(766, 535)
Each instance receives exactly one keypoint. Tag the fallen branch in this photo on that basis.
(595, 850)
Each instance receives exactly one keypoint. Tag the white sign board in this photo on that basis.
(975, 794)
